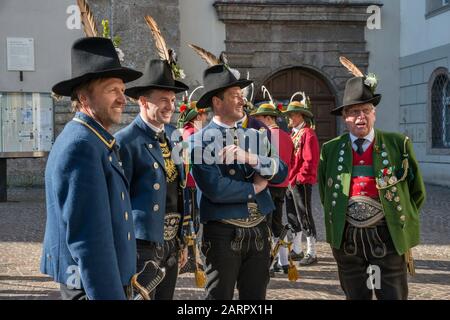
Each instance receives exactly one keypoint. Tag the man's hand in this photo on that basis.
(183, 257)
(232, 152)
(259, 183)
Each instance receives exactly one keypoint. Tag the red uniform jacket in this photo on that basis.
(282, 143)
(306, 157)
(189, 130)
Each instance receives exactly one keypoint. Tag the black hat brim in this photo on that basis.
(205, 100)
(135, 92)
(65, 88)
(375, 101)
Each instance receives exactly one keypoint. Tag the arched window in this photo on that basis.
(435, 7)
(440, 109)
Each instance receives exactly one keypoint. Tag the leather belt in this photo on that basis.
(254, 217)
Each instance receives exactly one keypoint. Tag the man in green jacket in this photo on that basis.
(371, 190)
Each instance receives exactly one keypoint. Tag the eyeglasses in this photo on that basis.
(357, 112)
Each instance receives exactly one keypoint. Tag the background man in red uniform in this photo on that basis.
(267, 113)
(302, 175)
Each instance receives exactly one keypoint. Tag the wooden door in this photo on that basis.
(285, 83)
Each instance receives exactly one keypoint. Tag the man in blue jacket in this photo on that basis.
(156, 175)
(232, 166)
(89, 245)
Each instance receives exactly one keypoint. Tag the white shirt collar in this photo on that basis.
(299, 127)
(223, 125)
(156, 129)
(369, 139)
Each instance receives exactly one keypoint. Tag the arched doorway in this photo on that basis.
(286, 82)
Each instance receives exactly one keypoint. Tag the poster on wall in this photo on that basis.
(20, 54)
(26, 122)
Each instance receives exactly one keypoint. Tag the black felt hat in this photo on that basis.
(93, 58)
(157, 75)
(356, 92)
(216, 79)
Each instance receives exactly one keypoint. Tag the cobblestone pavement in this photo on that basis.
(22, 222)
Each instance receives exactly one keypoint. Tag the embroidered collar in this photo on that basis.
(96, 128)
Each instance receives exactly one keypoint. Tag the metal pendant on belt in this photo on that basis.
(171, 224)
(364, 211)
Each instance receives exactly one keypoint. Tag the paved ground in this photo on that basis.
(22, 222)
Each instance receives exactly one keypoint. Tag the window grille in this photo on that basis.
(440, 111)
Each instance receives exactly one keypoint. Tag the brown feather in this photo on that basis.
(160, 43)
(351, 67)
(87, 18)
(210, 59)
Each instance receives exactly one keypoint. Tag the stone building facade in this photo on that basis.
(126, 20)
(287, 45)
(425, 85)
(291, 46)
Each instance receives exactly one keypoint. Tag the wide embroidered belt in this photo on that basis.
(254, 217)
(364, 212)
(171, 225)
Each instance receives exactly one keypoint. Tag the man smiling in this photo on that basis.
(233, 195)
(156, 181)
(89, 245)
(371, 190)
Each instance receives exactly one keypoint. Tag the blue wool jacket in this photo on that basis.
(89, 239)
(225, 189)
(144, 167)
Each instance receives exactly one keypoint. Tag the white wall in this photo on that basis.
(52, 42)
(420, 34)
(384, 47)
(199, 25)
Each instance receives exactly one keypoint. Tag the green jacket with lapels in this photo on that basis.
(401, 199)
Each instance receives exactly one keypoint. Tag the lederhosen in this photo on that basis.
(240, 255)
(166, 254)
(367, 240)
(298, 201)
(237, 253)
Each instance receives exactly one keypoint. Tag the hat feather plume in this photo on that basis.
(192, 93)
(264, 90)
(87, 18)
(223, 58)
(351, 67)
(249, 90)
(160, 43)
(209, 58)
